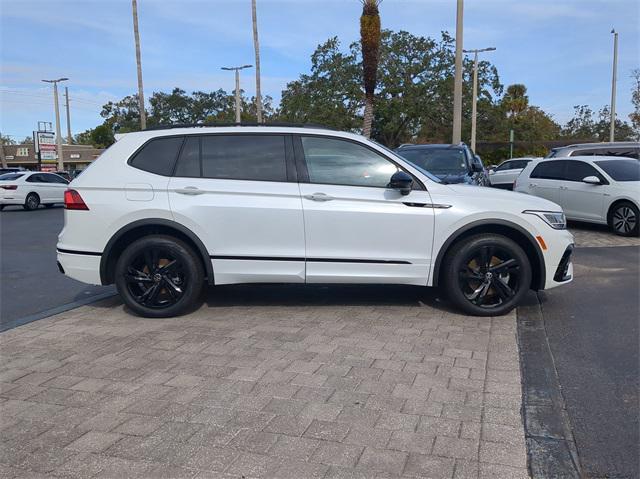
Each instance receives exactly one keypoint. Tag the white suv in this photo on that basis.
(161, 212)
(594, 189)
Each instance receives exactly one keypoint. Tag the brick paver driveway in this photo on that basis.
(265, 382)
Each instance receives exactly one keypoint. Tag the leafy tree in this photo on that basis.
(100, 137)
(515, 100)
(585, 125)
(370, 46)
(6, 140)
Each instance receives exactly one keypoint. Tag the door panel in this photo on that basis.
(358, 230)
(252, 228)
(582, 200)
(367, 235)
(243, 220)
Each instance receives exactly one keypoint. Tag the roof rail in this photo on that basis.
(210, 125)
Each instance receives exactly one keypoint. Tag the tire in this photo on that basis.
(486, 274)
(624, 219)
(31, 202)
(166, 264)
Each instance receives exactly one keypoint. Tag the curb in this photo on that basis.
(57, 310)
(551, 448)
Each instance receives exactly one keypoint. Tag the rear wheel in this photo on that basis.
(624, 219)
(31, 202)
(159, 276)
(486, 275)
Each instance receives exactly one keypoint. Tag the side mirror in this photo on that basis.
(476, 167)
(402, 182)
(492, 171)
(592, 180)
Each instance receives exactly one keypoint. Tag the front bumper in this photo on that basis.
(558, 265)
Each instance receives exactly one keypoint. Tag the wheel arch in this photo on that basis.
(133, 231)
(506, 228)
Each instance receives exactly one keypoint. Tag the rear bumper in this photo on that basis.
(81, 266)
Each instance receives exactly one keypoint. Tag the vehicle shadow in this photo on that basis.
(323, 295)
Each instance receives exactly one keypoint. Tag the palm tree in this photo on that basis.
(136, 34)
(370, 40)
(256, 47)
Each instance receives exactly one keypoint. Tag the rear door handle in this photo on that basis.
(319, 197)
(532, 185)
(189, 190)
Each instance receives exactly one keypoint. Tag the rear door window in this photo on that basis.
(158, 155)
(550, 170)
(244, 157)
(189, 160)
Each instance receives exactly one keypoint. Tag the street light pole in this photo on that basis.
(136, 35)
(237, 70)
(57, 109)
(475, 93)
(66, 104)
(256, 47)
(612, 128)
(457, 85)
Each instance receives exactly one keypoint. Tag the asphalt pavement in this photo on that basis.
(592, 332)
(30, 280)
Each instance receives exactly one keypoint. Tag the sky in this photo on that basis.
(560, 49)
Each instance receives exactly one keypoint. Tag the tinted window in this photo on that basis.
(339, 162)
(35, 179)
(158, 156)
(578, 170)
(189, 161)
(520, 164)
(55, 179)
(625, 152)
(507, 165)
(621, 170)
(10, 176)
(244, 157)
(550, 170)
(439, 161)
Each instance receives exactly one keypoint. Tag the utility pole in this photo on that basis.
(474, 107)
(237, 70)
(457, 85)
(256, 47)
(66, 101)
(57, 109)
(612, 128)
(136, 34)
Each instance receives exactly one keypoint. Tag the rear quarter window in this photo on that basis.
(158, 155)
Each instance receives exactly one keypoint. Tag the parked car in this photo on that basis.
(65, 174)
(4, 171)
(161, 211)
(505, 174)
(601, 189)
(628, 149)
(450, 163)
(30, 189)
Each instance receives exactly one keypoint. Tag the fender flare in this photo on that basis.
(491, 222)
(202, 250)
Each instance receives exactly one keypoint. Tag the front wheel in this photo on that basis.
(159, 276)
(624, 219)
(486, 274)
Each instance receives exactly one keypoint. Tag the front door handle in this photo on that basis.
(319, 197)
(189, 190)
(532, 185)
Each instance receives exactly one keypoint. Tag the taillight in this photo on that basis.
(73, 201)
(9, 187)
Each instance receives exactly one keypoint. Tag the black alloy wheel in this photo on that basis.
(489, 276)
(159, 276)
(486, 274)
(624, 219)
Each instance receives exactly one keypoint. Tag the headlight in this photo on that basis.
(555, 219)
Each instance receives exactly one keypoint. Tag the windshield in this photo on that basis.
(395, 153)
(621, 170)
(438, 161)
(10, 176)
